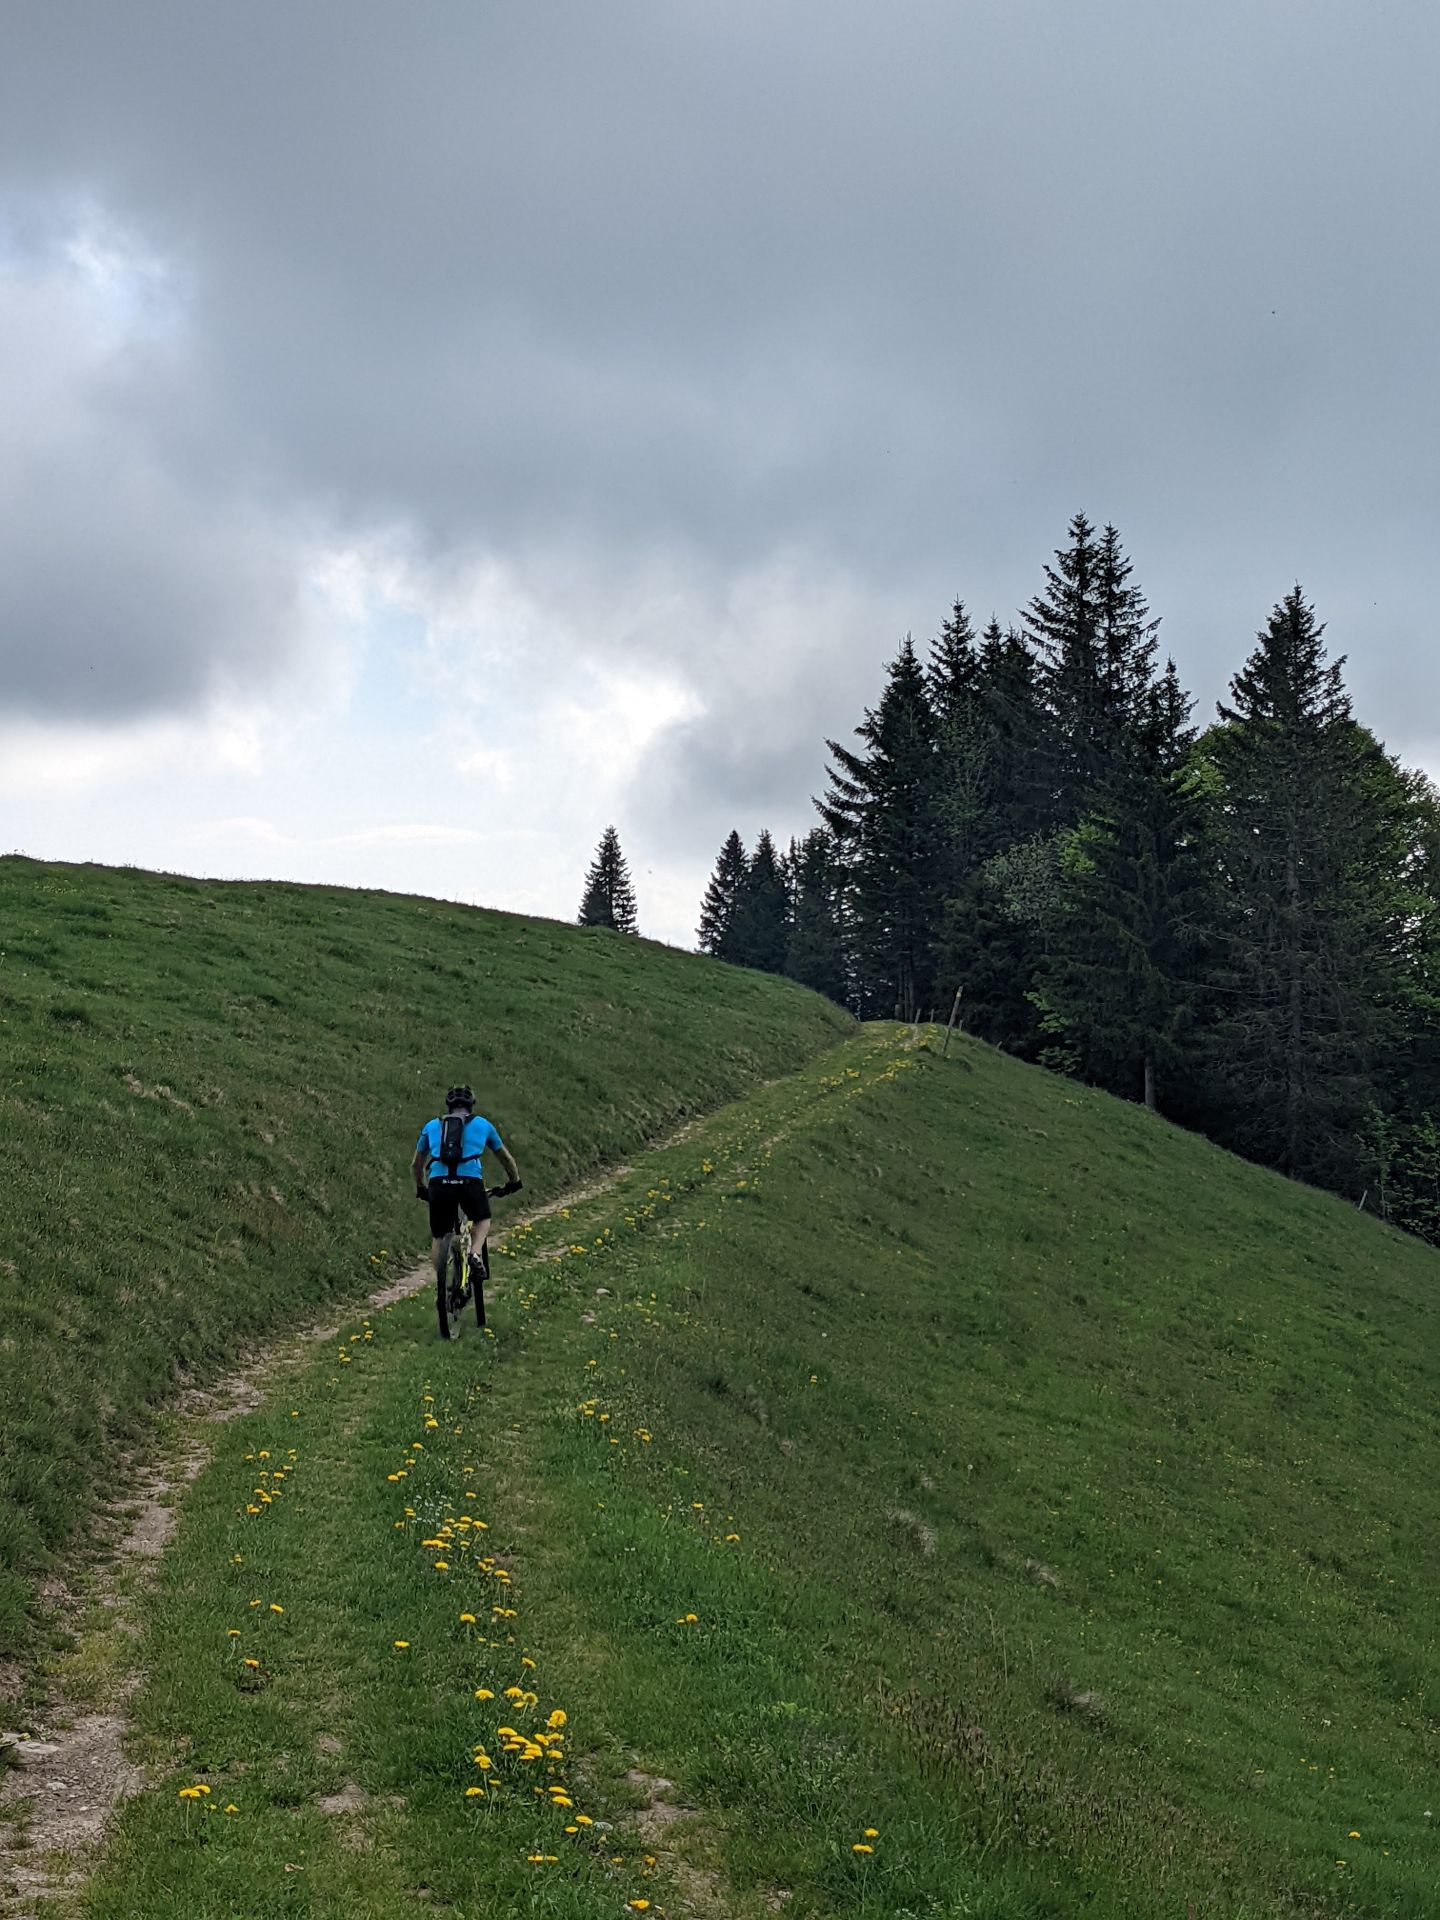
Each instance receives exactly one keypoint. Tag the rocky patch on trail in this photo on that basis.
(56, 1798)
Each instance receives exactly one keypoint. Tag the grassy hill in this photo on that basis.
(930, 1490)
(208, 1099)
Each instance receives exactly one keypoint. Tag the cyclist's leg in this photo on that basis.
(477, 1205)
(444, 1216)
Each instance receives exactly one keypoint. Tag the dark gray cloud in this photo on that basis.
(897, 289)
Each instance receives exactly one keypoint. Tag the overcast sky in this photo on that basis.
(430, 432)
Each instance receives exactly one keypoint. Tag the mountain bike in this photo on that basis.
(460, 1276)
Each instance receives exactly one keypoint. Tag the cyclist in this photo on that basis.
(445, 1190)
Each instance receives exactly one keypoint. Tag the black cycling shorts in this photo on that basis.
(446, 1199)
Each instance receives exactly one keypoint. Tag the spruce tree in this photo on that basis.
(1400, 1140)
(720, 906)
(1093, 632)
(963, 770)
(953, 674)
(1018, 732)
(1122, 982)
(882, 807)
(762, 918)
(992, 796)
(1312, 849)
(1127, 642)
(609, 897)
(816, 954)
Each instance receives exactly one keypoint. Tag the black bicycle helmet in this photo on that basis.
(459, 1097)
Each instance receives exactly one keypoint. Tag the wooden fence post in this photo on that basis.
(950, 1023)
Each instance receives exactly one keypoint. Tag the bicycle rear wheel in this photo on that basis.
(450, 1287)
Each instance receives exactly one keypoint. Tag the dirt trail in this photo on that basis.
(70, 1773)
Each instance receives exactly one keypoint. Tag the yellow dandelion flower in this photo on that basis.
(473, 1793)
(467, 1619)
(483, 1693)
(275, 1609)
(252, 1664)
(872, 1833)
(400, 1645)
(860, 1847)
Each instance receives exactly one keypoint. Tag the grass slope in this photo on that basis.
(209, 1095)
(931, 1448)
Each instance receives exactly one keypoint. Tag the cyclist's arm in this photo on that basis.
(419, 1164)
(507, 1160)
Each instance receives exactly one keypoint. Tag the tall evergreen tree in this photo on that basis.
(1127, 641)
(1018, 736)
(609, 897)
(762, 918)
(992, 795)
(720, 906)
(1419, 1076)
(953, 673)
(816, 954)
(1312, 831)
(881, 806)
(963, 771)
(1400, 1140)
(1096, 640)
(1122, 982)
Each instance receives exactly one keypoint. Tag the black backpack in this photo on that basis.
(452, 1141)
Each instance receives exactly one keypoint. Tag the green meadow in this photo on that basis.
(924, 1489)
(210, 1097)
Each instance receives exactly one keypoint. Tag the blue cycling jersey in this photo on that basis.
(479, 1137)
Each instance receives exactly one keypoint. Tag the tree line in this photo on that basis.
(1238, 925)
